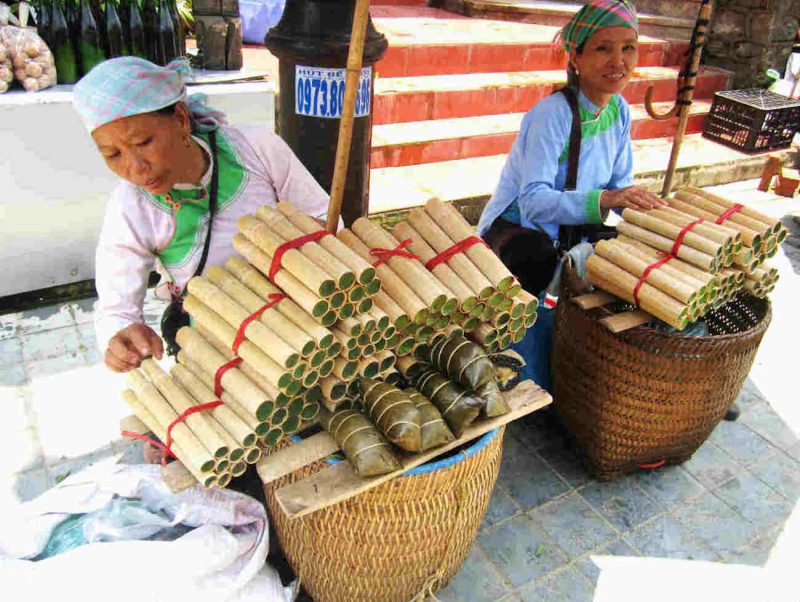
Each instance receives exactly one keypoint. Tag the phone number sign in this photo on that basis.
(319, 92)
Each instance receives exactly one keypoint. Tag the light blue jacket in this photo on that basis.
(531, 188)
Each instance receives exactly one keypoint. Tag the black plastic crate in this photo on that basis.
(752, 120)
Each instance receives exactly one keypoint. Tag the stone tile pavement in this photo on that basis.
(59, 411)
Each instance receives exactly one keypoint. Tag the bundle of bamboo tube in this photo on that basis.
(214, 445)
(759, 233)
(321, 275)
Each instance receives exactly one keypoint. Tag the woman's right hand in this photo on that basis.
(632, 197)
(130, 346)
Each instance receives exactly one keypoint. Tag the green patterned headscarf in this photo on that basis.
(593, 17)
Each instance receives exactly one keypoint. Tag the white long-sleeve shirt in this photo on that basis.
(139, 228)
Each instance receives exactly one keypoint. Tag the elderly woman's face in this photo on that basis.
(607, 62)
(148, 150)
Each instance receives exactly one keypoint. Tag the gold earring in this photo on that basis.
(187, 141)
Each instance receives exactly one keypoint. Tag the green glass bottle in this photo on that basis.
(62, 48)
(114, 43)
(180, 34)
(91, 48)
(136, 43)
(44, 22)
(150, 22)
(167, 41)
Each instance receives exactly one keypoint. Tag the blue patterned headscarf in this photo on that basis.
(127, 86)
(593, 17)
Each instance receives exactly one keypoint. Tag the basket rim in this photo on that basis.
(435, 465)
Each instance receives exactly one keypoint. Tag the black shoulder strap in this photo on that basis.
(212, 201)
(569, 236)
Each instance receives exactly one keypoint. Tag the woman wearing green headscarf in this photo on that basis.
(549, 198)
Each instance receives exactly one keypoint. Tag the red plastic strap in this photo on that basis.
(736, 208)
(399, 251)
(658, 464)
(682, 234)
(457, 248)
(221, 372)
(167, 451)
(274, 298)
(646, 273)
(295, 243)
(193, 410)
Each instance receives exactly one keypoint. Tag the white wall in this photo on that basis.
(54, 185)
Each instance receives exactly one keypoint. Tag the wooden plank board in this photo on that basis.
(340, 481)
(595, 299)
(291, 458)
(626, 320)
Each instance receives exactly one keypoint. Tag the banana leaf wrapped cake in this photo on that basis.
(458, 406)
(368, 452)
(466, 363)
(393, 412)
(433, 428)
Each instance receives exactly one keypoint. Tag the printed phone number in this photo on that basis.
(319, 92)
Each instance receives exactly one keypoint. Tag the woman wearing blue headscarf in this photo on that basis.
(549, 198)
(187, 177)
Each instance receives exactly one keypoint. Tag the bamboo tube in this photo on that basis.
(231, 402)
(531, 302)
(333, 392)
(704, 202)
(372, 288)
(691, 274)
(284, 229)
(252, 455)
(238, 429)
(620, 283)
(457, 228)
(181, 401)
(386, 360)
(364, 306)
(305, 223)
(391, 284)
(299, 293)
(382, 321)
(197, 453)
(771, 222)
(368, 350)
(709, 230)
(234, 314)
(658, 278)
(334, 350)
(273, 437)
(671, 231)
(688, 254)
(235, 449)
(466, 298)
(695, 205)
(513, 291)
(293, 261)
(432, 233)
(344, 369)
(368, 323)
(280, 378)
(284, 328)
(337, 299)
(414, 274)
(356, 293)
(368, 367)
(192, 463)
(530, 320)
(350, 326)
(253, 280)
(206, 356)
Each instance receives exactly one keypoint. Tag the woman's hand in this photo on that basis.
(632, 197)
(130, 346)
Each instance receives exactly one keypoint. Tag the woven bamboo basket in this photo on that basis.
(390, 543)
(643, 396)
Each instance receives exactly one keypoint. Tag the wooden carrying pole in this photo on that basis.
(354, 59)
(685, 93)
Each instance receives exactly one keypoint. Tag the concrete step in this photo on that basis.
(399, 144)
(546, 12)
(427, 41)
(406, 99)
(470, 182)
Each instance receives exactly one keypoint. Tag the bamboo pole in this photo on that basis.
(354, 59)
(307, 224)
(711, 211)
(618, 282)
(192, 463)
(285, 229)
(771, 222)
(391, 284)
(181, 401)
(688, 254)
(458, 229)
(713, 206)
(414, 274)
(226, 417)
(197, 453)
(432, 233)
(466, 298)
(658, 278)
(710, 230)
(299, 293)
